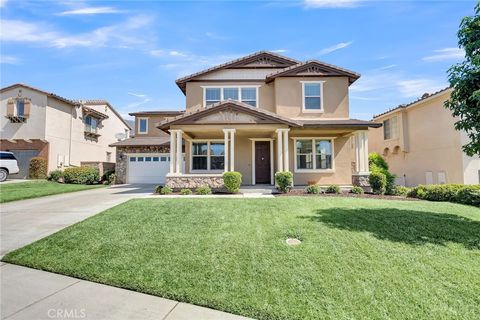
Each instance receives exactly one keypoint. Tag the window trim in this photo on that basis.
(208, 141)
(304, 110)
(221, 87)
(139, 127)
(396, 134)
(296, 170)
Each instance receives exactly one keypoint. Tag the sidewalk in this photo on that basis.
(33, 294)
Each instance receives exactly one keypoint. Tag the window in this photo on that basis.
(109, 156)
(7, 156)
(312, 96)
(142, 125)
(133, 159)
(155, 159)
(91, 124)
(20, 108)
(208, 156)
(148, 159)
(163, 159)
(140, 159)
(313, 154)
(390, 128)
(246, 95)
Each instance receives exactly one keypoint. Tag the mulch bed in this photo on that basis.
(300, 192)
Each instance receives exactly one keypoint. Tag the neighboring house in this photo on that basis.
(63, 131)
(421, 145)
(257, 115)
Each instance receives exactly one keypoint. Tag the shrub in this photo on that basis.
(203, 190)
(357, 190)
(313, 189)
(333, 189)
(284, 180)
(56, 175)
(232, 181)
(376, 163)
(469, 195)
(378, 182)
(37, 168)
(158, 189)
(166, 190)
(109, 177)
(81, 175)
(185, 192)
(400, 191)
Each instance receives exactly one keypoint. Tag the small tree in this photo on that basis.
(37, 168)
(464, 78)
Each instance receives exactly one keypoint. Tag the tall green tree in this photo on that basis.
(464, 78)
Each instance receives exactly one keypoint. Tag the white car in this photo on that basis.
(8, 165)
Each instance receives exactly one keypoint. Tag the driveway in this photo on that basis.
(26, 221)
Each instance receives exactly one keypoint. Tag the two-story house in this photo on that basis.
(65, 132)
(257, 115)
(421, 145)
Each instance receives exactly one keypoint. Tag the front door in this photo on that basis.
(262, 162)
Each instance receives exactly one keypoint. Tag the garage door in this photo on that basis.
(148, 168)
(23, 158)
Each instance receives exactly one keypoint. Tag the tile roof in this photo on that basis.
(336, 123)
(160, 112)
(96, 102)
(403, 106)
(50, 94)
(142, 141)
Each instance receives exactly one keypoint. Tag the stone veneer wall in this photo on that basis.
(192, 182)
(361, 180)
(122, 158)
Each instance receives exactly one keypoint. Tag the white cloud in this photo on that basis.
(138, 95)
(331, 3)
(9, 60)
(417, 87)
(143, 99)
(280, 50)
(445, 54)
(214, 36)
(364, 98)
(336, 47)
(390, 66)
(90, 11)
(3, 3)
(20, 31)
(177, 54)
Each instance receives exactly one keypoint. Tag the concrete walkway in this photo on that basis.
(33, 294)
(26, 221)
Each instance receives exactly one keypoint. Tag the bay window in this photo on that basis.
(208, 155)
(313, 154)
(246, 95)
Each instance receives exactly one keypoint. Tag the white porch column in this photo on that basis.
(285, 150)
(178, 158)
(279, 150)
(173, 144)
(361, 152)
(232, 150)
(226, 138)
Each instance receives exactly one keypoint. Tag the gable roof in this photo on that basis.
(157, 113)
(188, 118)
(425, 96)
(96, 102)
(260, 59)
(49, 94)
(314, 68)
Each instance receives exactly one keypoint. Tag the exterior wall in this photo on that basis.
(471, 165)
(34, 128)
(122, 158)
(431, 144)
(288, 97)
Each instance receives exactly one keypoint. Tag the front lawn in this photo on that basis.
(359, 258)
(34, 189)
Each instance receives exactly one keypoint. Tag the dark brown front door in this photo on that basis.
(262, 162)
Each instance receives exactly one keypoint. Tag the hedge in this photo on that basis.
(56, 175)
(459, 193)
(37, 168)
(81, 175)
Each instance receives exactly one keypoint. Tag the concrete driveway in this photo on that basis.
(26, 221)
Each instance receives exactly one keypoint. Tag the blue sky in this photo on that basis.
(131, 52)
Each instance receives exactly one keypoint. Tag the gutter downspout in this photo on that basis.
(70, 140)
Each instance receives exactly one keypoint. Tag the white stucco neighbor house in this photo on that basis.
(65, 132)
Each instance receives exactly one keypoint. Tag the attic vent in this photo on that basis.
(313, 69)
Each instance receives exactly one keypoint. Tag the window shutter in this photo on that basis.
(26, 108)
(10, 108)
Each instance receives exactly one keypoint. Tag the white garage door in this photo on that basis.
(148, 168)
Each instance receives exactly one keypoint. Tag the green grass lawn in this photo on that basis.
(359, 259)
(34, 189)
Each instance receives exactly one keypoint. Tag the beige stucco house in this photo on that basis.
(259, 114)
(421, 145)
(34, 122)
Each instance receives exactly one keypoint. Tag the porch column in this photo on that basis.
(279, 150)
(361, 152)
(173, 144)
(178, 158)
(232, 150)
(226, 138)
(285, 150)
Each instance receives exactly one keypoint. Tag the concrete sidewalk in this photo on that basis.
(33, 294)
(26, 221)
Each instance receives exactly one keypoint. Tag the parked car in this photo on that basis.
(8, 165)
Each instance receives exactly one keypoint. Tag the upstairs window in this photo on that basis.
(142, 125)
(246, 95)
(91, 124)
(20, 108)
(312, 96)
(390, 128)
